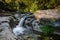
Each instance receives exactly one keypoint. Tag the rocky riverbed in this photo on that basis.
(5, 30)
(6, 22)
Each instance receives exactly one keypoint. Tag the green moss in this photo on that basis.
(48, 29)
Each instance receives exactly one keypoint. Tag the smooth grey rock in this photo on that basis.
(5, 30)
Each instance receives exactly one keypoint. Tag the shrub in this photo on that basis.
(31, 5)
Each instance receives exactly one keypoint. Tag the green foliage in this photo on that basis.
(48, 29)
(31, 5)
(47, 4)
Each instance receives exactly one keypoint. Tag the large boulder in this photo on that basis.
(5, 30)
(51, 13)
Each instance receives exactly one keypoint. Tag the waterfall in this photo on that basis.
(20, 24)
(19, 29)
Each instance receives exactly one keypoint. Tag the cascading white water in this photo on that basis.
(20, 24)
(19, 30)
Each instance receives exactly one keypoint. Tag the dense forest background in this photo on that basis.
(28, 5)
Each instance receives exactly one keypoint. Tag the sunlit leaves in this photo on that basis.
(32, 5)
(7, 1)
(0, 0)
(52, 1)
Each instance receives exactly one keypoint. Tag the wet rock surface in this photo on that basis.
(7, 24)
(5, 30)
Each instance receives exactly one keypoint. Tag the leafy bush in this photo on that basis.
(31, 5)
